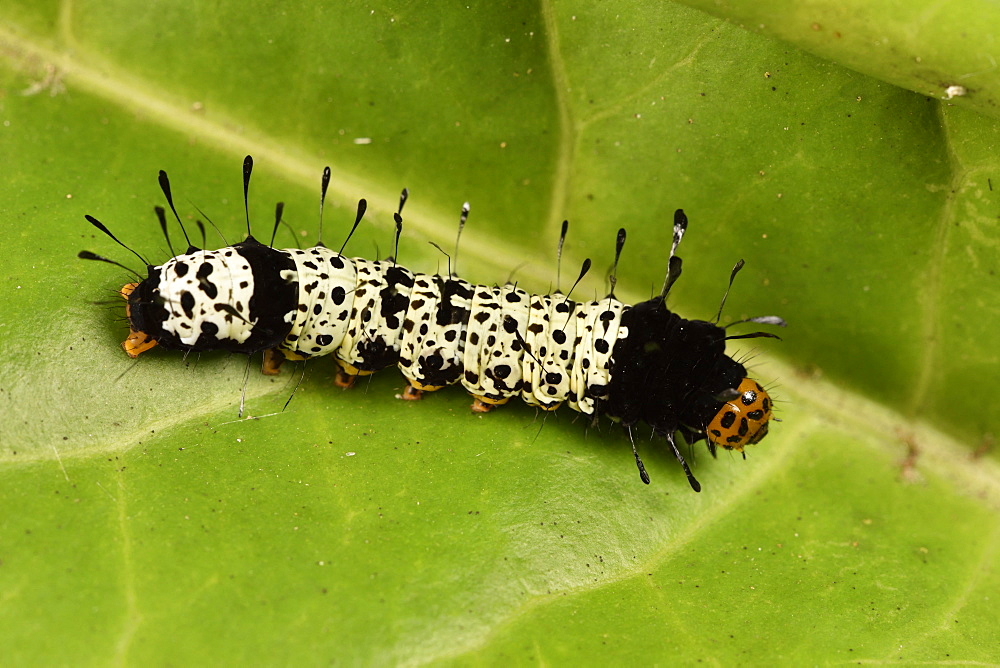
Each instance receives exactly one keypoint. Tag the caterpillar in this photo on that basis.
(632, 363)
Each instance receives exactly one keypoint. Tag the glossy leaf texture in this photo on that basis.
(142, 522)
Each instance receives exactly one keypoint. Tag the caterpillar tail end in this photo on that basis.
(137, 342)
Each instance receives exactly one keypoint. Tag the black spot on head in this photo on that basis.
(748, 398)
(728, 419)
(756, 415)
(744, 427)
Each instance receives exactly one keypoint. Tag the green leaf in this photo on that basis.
(142, 522)
(945, 50)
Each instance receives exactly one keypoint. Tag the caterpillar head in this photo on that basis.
(742, 420)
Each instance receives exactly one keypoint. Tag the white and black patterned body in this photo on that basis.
(439, 330)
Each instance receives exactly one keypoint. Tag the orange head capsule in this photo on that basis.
(743, 420)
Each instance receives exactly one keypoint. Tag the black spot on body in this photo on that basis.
(187, 303)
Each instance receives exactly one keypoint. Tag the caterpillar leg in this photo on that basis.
(486, 404)
(347, 374)
(414, 390)
(273, 359)
(344, 380)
